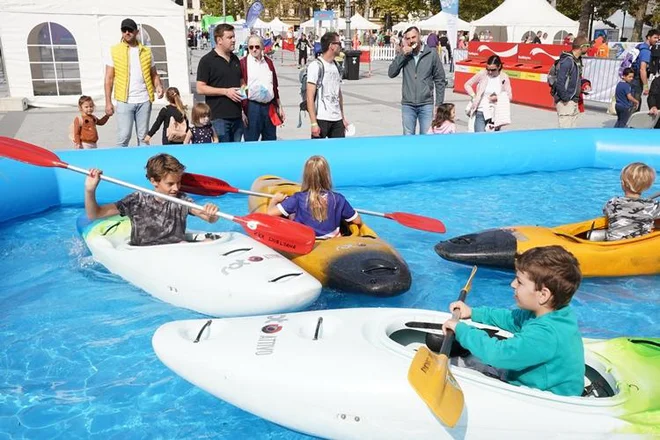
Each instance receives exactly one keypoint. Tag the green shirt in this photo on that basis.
(544, 353)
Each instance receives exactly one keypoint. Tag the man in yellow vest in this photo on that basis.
(131, 71)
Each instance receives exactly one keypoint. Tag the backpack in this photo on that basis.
(72, 128)
(629, 58)
(303, 87)
(552, 77)
(635, 61)
(176, 131)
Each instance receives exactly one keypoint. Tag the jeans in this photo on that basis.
(479, 122)
(411, 113)
(637, 89)
(228, 130)
(622, 116)
(259, 123)
(127, 114)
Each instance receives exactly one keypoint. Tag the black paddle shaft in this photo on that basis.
(449, 337)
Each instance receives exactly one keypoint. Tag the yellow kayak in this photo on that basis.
(497, 248)
(358, 261)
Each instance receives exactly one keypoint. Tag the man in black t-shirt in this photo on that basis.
(219, 79)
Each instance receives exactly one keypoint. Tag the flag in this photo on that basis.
(253, 13)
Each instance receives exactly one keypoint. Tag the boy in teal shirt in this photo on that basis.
(546, 350)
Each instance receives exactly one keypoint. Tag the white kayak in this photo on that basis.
(343, 374)
(228, 274)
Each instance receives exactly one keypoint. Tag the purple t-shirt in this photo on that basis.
(338, 209)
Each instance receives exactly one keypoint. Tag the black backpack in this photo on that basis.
(552, 77)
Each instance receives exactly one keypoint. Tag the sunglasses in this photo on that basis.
(125, 29)
(254, 47)
(492, 70)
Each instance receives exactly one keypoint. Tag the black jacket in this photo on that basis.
(164, 120)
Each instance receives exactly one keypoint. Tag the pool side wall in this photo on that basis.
(354, 162)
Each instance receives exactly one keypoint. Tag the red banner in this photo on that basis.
(540, 54)
(288, 46)
(479, 51)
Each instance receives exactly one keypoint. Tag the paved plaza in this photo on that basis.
(371, 103)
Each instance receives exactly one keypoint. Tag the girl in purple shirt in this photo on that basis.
(316, 205)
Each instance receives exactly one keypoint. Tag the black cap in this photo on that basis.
(128, 23)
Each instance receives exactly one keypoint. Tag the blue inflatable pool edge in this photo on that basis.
(375, 161)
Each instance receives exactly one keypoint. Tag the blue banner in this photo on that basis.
(324, 15)
(253, 13)
(449, 6)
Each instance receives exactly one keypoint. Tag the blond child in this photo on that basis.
(201, 131)
(632, 215)
(546, 350)
(173, 119)
(153, 221)
(444, 123)
(85, 135)
(316, 205)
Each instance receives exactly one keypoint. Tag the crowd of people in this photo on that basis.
(242, 98)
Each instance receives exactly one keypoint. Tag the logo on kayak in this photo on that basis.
(239, 263)
(271, 328)
(266, 342)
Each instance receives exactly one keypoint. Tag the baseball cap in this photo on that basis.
(128, 23)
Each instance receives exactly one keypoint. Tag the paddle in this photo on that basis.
(275, 232)
(430, 376)
(211, 186)
(655, 196)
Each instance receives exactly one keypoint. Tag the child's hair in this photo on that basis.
(637, 177)
(83, 99)
(316, 179)
(160, 165)
(627, 71)
(173, 97)
(199, 110)
(552, 267)
(442, 114)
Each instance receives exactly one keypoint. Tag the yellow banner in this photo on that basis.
(514, 74)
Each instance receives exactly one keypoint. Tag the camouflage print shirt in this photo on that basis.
(629, 218)
(153, 220)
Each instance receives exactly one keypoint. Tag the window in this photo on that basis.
(149, 36)
(196, 17)
(54, 61)
(190, 18)
(190, 5)
(559, 37)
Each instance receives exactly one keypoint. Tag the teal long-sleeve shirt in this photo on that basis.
(545, 353)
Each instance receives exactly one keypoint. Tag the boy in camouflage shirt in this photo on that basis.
(632, 215)
(153, 220)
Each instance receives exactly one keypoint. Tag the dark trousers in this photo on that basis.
(302, 56)
(622, 116)
(259, 123)
(228, 130)
(331, 129)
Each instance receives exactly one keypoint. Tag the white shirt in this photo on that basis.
(259, 81)
(494, 86)
(137, 88)
(328, 101)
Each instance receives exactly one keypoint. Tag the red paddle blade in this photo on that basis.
(205, 185)
(279, 233)
(29, 153)
(418, 222)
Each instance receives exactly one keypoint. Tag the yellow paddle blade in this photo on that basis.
(429, 375)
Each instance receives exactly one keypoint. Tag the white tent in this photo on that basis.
(404, 25)
(54, 50)
(511, 20)
(337, 24)
(439, 23)
(260, 24)
(625, 28)
(278, 25)
(361, 23)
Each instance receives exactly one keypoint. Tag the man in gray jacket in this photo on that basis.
(568, 87)
(422, 73)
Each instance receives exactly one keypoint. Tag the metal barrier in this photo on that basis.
(604, 76)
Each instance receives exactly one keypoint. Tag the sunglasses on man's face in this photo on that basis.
(254, 47)
(124, 30)
(492, 70)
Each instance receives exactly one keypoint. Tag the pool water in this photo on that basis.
(76, 358)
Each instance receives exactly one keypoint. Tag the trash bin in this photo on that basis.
(352, 64)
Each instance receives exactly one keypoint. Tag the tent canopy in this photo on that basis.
(521, 16)
(278, 25)
(625, 29)
(208, 20)
(260, 24)
(80, 33)
(340, 23)
(404, 25)
(361, 23)
(439, 23)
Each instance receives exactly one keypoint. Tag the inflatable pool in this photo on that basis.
(355, 162)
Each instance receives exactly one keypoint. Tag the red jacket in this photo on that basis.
(244, 77)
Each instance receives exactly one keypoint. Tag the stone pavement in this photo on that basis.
(372, 104)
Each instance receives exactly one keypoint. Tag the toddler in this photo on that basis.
(83, 128)
(444, 120)
(201, 131)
